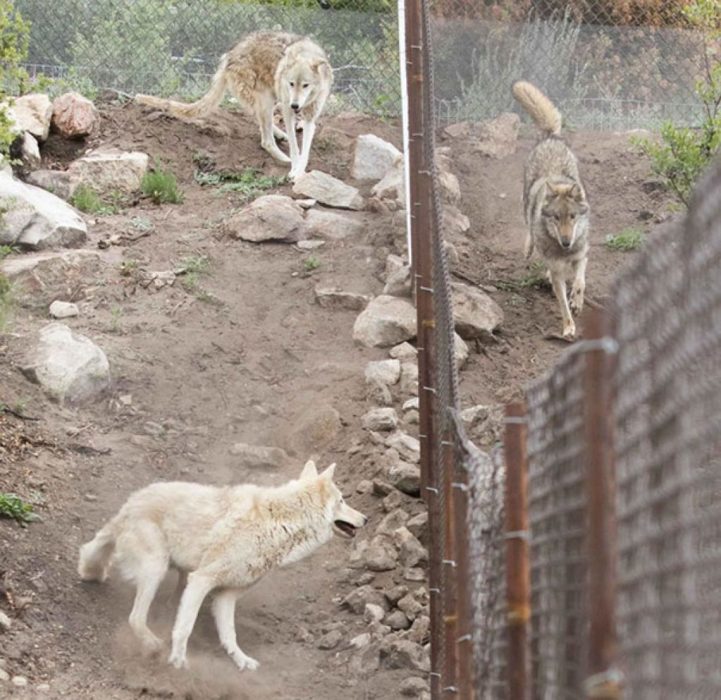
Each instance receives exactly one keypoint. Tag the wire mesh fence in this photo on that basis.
(606, 63)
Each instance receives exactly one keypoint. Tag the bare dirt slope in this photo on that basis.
(240, 353)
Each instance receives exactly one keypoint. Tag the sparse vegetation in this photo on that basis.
(249, 183)
(684, 153)
(87, 200)
(5, 290)
(161, 186)
(14, 37)
(12, 506)
(629, 239)
(191, 268)
(311, 263)
(534, 278)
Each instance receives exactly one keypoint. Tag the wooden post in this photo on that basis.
(603, 681)
(518, 577)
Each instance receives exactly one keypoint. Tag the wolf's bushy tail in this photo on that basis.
(543, 112)
(95, 555)
(202, 107)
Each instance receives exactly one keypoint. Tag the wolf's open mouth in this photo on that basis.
(345, 528)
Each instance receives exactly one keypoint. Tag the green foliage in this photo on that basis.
(249, 183)
(311, 263)
(161, 186)
(629, 239)
(5, 290)
(12, 506)
(192, 268)
(534, 278)
(87, 200)
(684, 153)
(14, 37)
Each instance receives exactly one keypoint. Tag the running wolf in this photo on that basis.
(225, 539)
(264, 69)
(555, 205)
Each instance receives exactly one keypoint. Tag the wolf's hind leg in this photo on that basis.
(224, 613)
(264, 114)
(143, 559)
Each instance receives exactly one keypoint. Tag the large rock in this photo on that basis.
(332, 226)
(385, 321)
(74, 116)
(273, 217)
(475, 314)
(406, 445)
(259, 456)
(68, 366)
(381, 554)
(498, 138)
(357, 599)
(460, 350)
(316, 429)
(57, 182)
(373, 157)
(398, 282)
(383, 372)
(328, 190)
(380, 419)
(401, 653)
(334, 298)
(110, 170)
(32, 113)
(36, 218)
(29, 151)
(406, 477)
(392, 186)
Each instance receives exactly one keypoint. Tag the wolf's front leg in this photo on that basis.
(198, 587)
(559, 289)
(308, 133)
(224, 613)
(579, 287)
(290, 122)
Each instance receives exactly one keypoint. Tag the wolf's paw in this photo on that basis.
(569, 331)
(576, 301)
(178, 660)
(245, 662)
(152, 644)
(295, 173)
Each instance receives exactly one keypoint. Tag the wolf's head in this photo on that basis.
(564, 213)
(303, 80)
(344, 519)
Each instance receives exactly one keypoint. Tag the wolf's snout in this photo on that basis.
(294, 106)
(565, 243)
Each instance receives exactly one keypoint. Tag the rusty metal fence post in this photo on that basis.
(603, 680)
(518, 582)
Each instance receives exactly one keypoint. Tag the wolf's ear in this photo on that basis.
(577, 193)
(309, 470)
(322, 67)
(328, 473)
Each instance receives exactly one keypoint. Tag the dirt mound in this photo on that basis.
(237, 350)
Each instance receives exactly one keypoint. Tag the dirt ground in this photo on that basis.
(244, 354)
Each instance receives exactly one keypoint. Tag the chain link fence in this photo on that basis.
(607, 64)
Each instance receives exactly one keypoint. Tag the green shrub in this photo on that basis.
(12, 506)
(87, 200)
(161, 186)
(683, 153)
(14, 34)
(629, 239)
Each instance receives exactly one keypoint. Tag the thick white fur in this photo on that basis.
(224, 538)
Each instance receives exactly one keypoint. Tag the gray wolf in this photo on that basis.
(555, 205)
(224, 539)
(263, 70)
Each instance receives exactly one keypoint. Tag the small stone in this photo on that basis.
(373, 613)
(357, 599)
(413, 687)
(385, 321)
(364, 487)
(19, 681)
(4, 675)
(272, 217)
(330, 640)
(460, 350)
(406, 477)
(397, 620)
(408, 447)
(365, 578)
(414, 575)
(420, 630)
(418, 525)
(410, 551)
(381, 488)
(391, 522)
(331, 226)
(43, 687)
(328, 190)
(334, 298)
(409, 378)
(5, 622)
(381, 554)
(383, 372)
(401, 653)
(63, 309)
(410, 606)
(361, 641)
(310, 244)
(411, 404)
(392, 501)
(404, 352)
(380, 419)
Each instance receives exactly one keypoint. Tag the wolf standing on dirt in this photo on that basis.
(226, 539)
(265, 69)
(555, 205)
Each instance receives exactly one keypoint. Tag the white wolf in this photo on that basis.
(225, 539)
(264, 69)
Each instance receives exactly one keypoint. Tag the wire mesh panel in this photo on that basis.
(557, 506)
(172, 47)
(669, 459)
